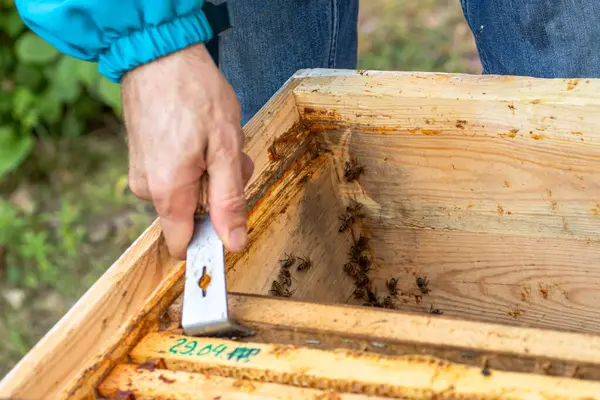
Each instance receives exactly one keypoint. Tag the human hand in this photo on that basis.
(182, 119)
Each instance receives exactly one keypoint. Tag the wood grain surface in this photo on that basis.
(144, 384)
(416, 377)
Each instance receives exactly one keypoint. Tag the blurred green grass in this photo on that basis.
(66, 215)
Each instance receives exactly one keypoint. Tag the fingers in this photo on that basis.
(227, 167)
(247, 168)
(175, 204)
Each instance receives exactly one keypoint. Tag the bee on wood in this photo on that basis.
(364, 263)
(354, 254)
(353, 169)
(422, 283)
(355, 208)
(285, 278)
(392, 286)
(359, 293)
(361, 243)
(288, 261)
(434, 310)
(351, 270)
(278, 290)
(347, 220)
(388, 302)
(305, 264)
(371, 296)
(361, 280)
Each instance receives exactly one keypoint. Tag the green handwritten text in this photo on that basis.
(186, 347)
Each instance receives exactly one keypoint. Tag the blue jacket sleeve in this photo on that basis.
(117, 34)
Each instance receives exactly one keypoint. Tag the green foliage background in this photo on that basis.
(42, 91)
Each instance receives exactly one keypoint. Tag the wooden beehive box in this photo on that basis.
(487, 187)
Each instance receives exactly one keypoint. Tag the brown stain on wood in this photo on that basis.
(515, 312)
(543, 290)
(244, 385)
(500, 210)
(565, 224)
(572, 83)
(427, 132)
(511, 134)
(553, 202)
(460, 123)
(166, 380)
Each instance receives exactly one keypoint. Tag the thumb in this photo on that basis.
(226, 196)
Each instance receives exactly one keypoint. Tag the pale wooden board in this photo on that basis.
(274, 333)
(450, 161)
(531, 281)
(430, 330)
(476, 275)
(419, 377)
(178, 385)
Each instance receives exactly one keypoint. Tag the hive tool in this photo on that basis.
(205, 307)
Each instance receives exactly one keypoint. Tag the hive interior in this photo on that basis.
(498, 215)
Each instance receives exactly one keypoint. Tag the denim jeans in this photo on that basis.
(272, 39)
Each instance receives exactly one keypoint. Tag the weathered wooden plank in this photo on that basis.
(178, 385)
(483, 154)
(435, 330)
(419, 377)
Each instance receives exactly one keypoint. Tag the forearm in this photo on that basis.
(118, 34)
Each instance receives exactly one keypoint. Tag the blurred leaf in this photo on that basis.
(50, 108)
(28, 76)
(24, 109)
(70, 126)
(23, 100)
(12, 24)
(14, 148)
(32, 49)
(5, 102)
(10, 223)
(7, 58)
(110, 93)
(64, 80)
(87, 72)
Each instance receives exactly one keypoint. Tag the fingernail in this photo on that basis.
(237, 239)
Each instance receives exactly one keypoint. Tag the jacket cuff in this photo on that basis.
(152, 42)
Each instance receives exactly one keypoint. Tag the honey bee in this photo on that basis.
(351, 270)
(353, 169)
(361, 280)
(422, 283)
(359, 293)
(305, 264)
(371, 296)
(392, 286)
(388, 302)
(285, 278)
(364, 263)
(434, 310)
(347, 220)
(354, 254)
(288, 261)
(278, 290)
(355, 208)
(361, 243)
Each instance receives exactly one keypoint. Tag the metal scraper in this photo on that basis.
(205, 309)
